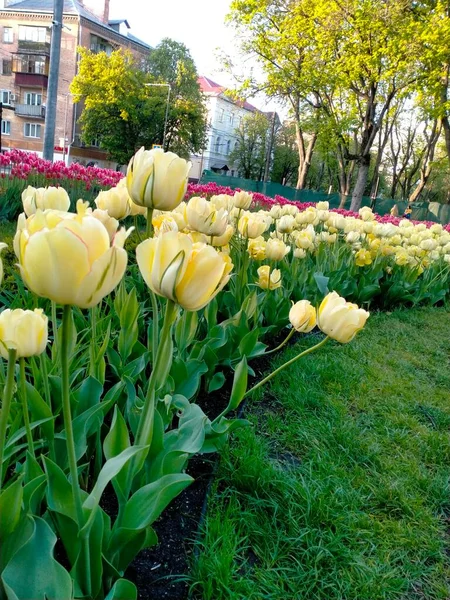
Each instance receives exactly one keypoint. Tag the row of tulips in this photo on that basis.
(105, 397)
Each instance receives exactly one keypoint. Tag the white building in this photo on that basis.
(224, 116)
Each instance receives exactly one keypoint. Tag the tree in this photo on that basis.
(349, 62)
(124, 113)
(252, 144)
(285, 156)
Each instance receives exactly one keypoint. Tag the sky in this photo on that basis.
(199, 24)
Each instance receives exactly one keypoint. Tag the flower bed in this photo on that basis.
(96, 435)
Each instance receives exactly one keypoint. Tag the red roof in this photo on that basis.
(208, 86)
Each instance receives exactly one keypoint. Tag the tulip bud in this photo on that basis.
(223, 239)
(157, 179)
(340, 320)
(257, 248)
(303, 316)
(286, 224)
(23, 330)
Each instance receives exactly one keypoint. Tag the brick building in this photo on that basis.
(25, 37)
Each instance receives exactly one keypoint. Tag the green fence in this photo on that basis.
(421, 211)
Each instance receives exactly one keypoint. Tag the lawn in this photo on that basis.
(340, 489)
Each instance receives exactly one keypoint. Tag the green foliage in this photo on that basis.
(249, 154)
(125, 113)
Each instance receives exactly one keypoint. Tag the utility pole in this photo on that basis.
(52, 91)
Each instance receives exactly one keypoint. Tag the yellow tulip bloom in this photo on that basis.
(340, 320)
(157, 179)
(68, 258)
(303, 316)
(269, 280)
(24, 330)
(188, 273)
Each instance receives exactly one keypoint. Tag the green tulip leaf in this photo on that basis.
(87, 395)
(10, 508)
(122, 590)
(146, 505)
(239, 385)
(217, 382)
(44, 578)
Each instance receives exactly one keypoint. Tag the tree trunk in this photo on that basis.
(304, 155)
(361, 183)
(426, 167)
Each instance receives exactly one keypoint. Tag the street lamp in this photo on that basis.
(167, 85)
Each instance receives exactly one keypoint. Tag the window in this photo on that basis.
(32, 130)
(6, 127)
(217, 147)
(33, 99)
(30, 63)
(8, 36)
(221, 114)
(231, 118)
(6, 66)
(99, 44)
(228, 146)
(5, 96)
(32, 34)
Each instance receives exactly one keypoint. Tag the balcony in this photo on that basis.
(30, 110)
(28, 47)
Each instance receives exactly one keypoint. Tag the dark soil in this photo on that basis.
(158, 571)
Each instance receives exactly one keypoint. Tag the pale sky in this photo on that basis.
(199, 24)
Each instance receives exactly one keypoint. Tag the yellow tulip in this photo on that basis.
(269, 280)
(68, 257)
(363, 257)
(203, 217)
(55, 198)
(303, 316)
(276, 249)
(157, 179)
(242, 200)
(251, 226)
(116, 201)
(163, 223)
(188, 273)
(223, 240)
(24, 330)
(340, 320)
(257, 248)
(109, 222)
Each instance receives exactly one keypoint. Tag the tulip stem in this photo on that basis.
(54, 328)
(286, 364)
(23, 398)
(48, 397)
(136, 228)
(283, 343)
(92, 362)
(67, 413)
(155, 325)
(6, 405)
(149, 231)
(144, 432)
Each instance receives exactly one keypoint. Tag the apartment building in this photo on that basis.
(225, 115)
(25, 38)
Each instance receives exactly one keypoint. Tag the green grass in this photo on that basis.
(340, 490)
